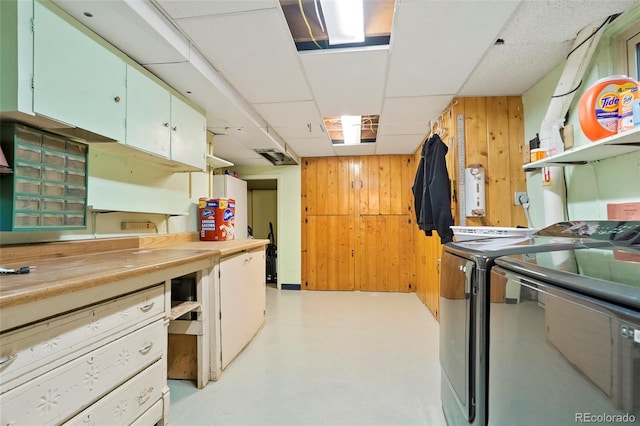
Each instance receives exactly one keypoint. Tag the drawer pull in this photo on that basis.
(8, 359)
(145, 395)
(247, 260)
(146, 307)
(146, 348)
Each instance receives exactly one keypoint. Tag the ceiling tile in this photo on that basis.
(347, 82)
(231, 149)
(399, 144)
(436, 44)
(361, 149)
(190, 8)
(528, 62)
(410, 115)
(536, 40)
(257, 57)
(546, 22)
(312, 147)
(293, 119)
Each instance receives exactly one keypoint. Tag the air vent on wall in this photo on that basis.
(277, 157)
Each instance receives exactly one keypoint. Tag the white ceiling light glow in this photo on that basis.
(344, 19)
(351, 128)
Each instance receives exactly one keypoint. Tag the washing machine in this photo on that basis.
(465, 299)
(564, 338)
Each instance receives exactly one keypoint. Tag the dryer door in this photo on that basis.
(456, 334)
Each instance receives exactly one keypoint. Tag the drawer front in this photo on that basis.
(126, 403)
(61, 393)
(152, 416)
(34, 350)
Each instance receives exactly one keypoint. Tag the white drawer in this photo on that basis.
(126, 403)
(36, 349)
(61, 393)
(152, 416)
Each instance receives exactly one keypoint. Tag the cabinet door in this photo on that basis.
(256, 282)
(148, 114)
(330, 185)
(76, 80)
(233, 307)
(188, 134)
(242, 301)
(329, 252)
(386, 261)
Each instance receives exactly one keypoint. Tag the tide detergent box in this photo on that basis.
(627, 98)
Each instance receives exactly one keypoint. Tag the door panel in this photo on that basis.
(385, 254)
(329, 255)
(329, 186)
(368, 200)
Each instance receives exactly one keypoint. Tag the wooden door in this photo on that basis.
(385, 253)
(356, 215)
(330, 253)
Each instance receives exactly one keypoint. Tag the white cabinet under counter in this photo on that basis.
(238, 307)
(85, 338)
(242, 301)
(60, 366)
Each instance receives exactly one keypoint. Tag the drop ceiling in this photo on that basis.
(237, 60)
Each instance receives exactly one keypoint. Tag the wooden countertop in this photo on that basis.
(59, 274)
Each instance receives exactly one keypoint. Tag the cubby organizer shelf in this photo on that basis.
(612, 146)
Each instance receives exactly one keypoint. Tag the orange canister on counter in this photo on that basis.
(598, 107)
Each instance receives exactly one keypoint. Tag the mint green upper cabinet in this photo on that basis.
(148, 114)
(16, 63)
(188, 134)
(77, 80)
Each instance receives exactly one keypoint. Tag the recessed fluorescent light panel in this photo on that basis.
(344, 20)
(334, 24)
(352, 129)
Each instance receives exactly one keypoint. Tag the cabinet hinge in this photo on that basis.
(32, 24)
(220, 315)
(33, 82)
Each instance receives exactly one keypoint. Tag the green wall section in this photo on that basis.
(289, 238)
(589, 187)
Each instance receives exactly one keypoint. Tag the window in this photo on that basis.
(633, 55)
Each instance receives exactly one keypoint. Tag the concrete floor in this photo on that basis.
(326, 358)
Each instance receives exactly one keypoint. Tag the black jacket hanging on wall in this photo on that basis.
(431, 190)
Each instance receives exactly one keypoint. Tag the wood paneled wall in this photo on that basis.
(357, 223)
(494, 138)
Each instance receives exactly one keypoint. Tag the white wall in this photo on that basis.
(289, 217)
(589, 187)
